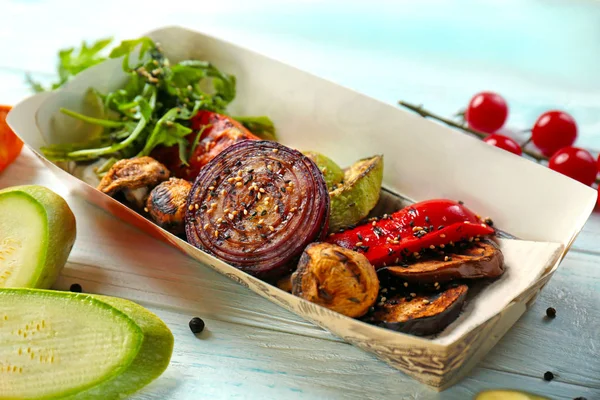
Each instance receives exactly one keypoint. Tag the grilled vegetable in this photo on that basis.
(285, 283)
(166, 204)
(337, 278)
(213, 134)
(403, 235)
(37, 232)
(422, 314)
(135, 177)
(480, 260)
(77, 346)
(332, 172)
(352, 201)
(256, 206)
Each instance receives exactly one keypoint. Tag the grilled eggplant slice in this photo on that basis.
(166, 204)
(134, 177)
(421, 315)
(353, 199)
(337, 278)
(481, 260)
(256, 206)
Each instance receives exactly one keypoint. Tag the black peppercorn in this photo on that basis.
(551, 312)
(196, 325)
(76, 287)
(580, 398)
(548, 376)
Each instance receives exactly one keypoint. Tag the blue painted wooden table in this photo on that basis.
(539, 55)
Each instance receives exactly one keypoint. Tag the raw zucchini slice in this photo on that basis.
(56, 345)
(507, 395)
(37, 232)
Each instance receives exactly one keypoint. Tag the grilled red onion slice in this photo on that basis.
(256, 206)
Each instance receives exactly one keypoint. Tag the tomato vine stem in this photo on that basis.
(428, 114)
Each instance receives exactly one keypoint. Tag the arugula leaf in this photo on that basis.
(260, 126)
(72, 62)
(128, 46)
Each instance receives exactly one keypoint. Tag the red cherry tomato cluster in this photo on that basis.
(553, 133)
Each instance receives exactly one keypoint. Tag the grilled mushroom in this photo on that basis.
(167, 204)
(134, 177)
(337, 278)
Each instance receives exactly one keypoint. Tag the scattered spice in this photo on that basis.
(197, 325)
(76, 288)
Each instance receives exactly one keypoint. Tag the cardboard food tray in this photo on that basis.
(423, 160)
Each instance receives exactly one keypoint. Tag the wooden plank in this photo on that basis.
(228, 362)
(107, 259)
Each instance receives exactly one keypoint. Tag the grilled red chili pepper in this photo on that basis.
(431, 224)
(217, 132)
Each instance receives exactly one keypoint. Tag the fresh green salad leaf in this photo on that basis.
(155, 106)
(261, 126)
(72, 62)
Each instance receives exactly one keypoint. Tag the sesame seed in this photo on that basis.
(446, 258)
(415, 254)
(260, 221)
(359, 244)
(436, 284)
(417, 228)
(432, 247)
(467, 222)
(269, 168)
(258, 196)
(146, 209)
(405, 284)
(216, 233)
(245, 212)
(383, 299)
(271, 228)
(219, 220)
(471, 239)
(226, 210)
(238, 178)
(206, 226)
(293, 209)
(425, 301)
(230, 216)
(397, 260)
(374, 223)
(235, 213)
(211, 188)
(196, 206)
(239, 173)
(442, 235)
(191, 207)
(275, 151)
(213, 205)
(223, 192)
(413, 295)
(239, 184)
(276, 208)
(231, 180)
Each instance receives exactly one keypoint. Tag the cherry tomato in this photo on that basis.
(487, 112)
(504, 142)
(552, 131)
(10, 144)
(575, 163)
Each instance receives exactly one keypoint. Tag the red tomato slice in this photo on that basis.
(10, 144)
(220, 132)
